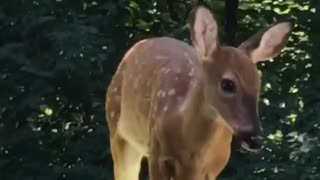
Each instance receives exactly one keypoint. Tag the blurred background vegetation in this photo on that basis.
(57, 58)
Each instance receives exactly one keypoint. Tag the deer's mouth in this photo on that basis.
(249, 138)
(252, 144)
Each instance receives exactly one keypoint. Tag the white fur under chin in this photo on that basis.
(246, 147)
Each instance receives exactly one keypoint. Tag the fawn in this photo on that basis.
(180, 106)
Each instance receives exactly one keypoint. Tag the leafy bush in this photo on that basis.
(57, 59)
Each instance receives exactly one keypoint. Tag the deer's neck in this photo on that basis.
(201, 120)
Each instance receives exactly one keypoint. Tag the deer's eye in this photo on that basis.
(228, 86)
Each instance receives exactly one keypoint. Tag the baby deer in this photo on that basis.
(180, 106)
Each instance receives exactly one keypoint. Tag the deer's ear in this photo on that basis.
(268, 44)
(204, 32)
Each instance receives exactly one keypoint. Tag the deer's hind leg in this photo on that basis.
(127, 160)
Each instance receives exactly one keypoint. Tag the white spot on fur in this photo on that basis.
(191, 72)
(171, 92)
(161, 93)
(161, 57)
(112, 114)
(162, 70)
(166, 71)
(186, 55)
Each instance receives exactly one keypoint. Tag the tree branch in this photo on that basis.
(231, 9)
(172, 11)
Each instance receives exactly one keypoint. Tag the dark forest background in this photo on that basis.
(57, 58)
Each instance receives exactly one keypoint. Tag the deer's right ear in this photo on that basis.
(269, 42)
(204, 32)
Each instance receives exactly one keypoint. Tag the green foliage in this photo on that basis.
(289, 96)
(57, 59)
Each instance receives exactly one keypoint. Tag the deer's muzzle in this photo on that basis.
(250, 138)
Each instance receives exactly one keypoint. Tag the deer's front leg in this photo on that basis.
(159, 168)
(220, 159)
(211, 177)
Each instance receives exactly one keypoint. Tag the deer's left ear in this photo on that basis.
(268, 43)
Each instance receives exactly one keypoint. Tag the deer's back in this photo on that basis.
(152, 80)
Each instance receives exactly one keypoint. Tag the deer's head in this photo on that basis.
(232, 79)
